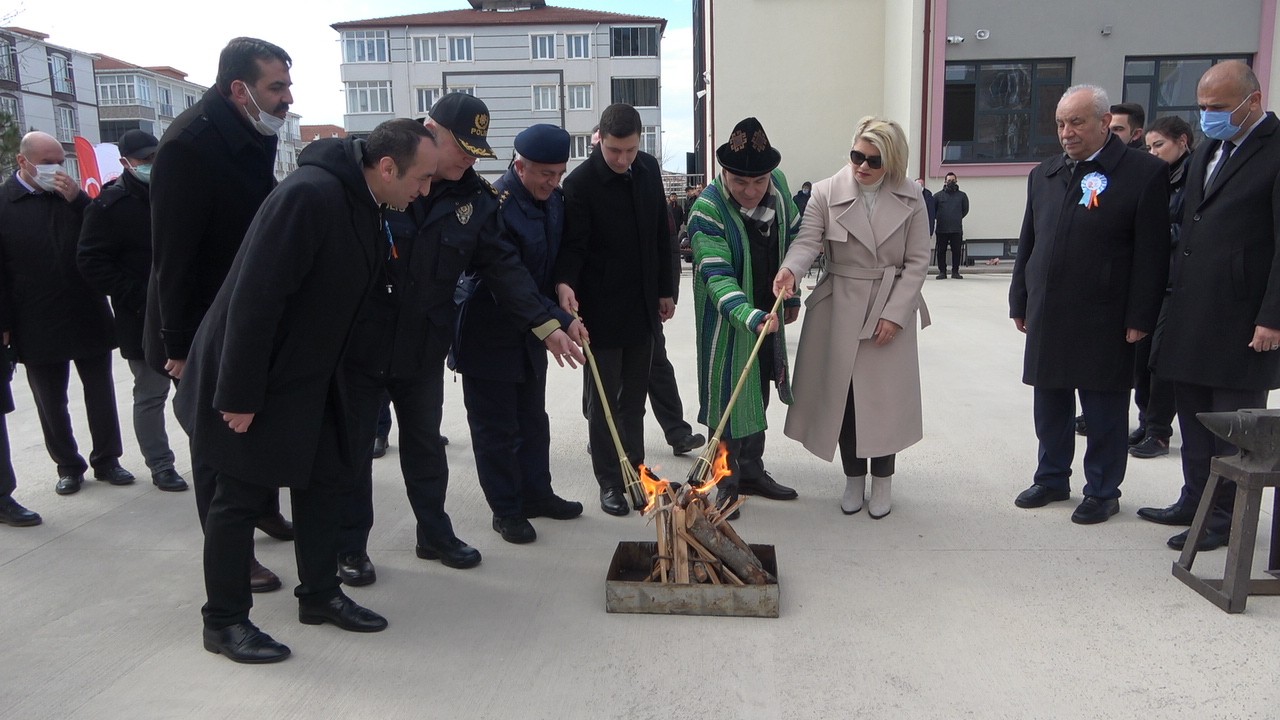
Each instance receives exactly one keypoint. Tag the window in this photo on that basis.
(166, 101)
(191, 100)
(1167, 85)
(64, 121)
(72, 165)
(545, 97)
(11, 106)
(8, 61)
(581, 147)
(460, 49)
(426, 97)
(579, 97)
(368, 97)
(425, 49)
(116, 90)
(639, 92)
(577, 47)
(1002, 111)
(468, 89)
(60, 73)
(364, 46)
(649, 139)
(634, 42)
(542, 47)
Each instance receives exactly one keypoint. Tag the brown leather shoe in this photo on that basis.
(261, 579)
(276, 526)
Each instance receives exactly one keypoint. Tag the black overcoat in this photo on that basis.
(115, 255)
(604, 212)
(1084, 275)
(51, 312)
(1226, 277)
(272, 341)
(210, 175)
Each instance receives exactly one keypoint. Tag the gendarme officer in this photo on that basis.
(401, 340)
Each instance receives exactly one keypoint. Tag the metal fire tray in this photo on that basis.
(626, 590)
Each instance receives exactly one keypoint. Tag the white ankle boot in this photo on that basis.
(854, 490)
(881, 496)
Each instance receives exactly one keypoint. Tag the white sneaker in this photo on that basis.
(854, 490)
(881, 497)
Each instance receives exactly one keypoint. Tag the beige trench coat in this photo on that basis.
(875, 269)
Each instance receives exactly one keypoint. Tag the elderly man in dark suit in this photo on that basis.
(1087, 285)
(52, 317)
(1222, 332)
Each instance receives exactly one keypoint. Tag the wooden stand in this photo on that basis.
(1233, 590)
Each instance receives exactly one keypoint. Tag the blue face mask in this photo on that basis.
(1217, 123)
(142, 172)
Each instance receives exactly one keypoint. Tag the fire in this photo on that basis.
(653, 487)
(719, 469)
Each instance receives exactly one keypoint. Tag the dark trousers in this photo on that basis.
(419, 404)
(855, 466)
(624, 372)
(1106, 416)
(228, 545)
(746, 454)
(1199, 446)
(511, 439)
(1153, 396)
(664, 393)
(8, 480)
(384, 417)
(49, 387)
(956, 242)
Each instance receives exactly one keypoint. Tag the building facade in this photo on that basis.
(49, 88)
(530, 63)
(974, 83)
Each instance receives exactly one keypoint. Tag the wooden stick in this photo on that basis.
(630, 478)
(744, 563)
(681, 562)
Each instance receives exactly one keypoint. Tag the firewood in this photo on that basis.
(745, 564)
(681, 556)
(732, 534)
(700, 572)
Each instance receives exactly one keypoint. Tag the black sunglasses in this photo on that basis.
(875, 162)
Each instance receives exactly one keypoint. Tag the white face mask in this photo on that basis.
(45, 175)
(266, 123)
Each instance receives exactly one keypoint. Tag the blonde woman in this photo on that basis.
(857, 372)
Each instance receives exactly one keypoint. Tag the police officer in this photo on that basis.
(503, 367)
(400, 343)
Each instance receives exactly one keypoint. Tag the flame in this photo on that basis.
(719, 469)
(653, 487)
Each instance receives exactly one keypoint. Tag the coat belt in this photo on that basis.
(886, 275)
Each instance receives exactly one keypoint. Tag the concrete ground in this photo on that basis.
(957, 605)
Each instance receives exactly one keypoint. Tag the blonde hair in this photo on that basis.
(888, 138)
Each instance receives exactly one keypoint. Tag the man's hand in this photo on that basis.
(784, 284)
(174, 368)
(238, 422)
(666, 309)
(768, 325)
(567, 298)
(790, 314)
(562, 348)
(1132, 335)
(886, 330)
(578, 332)
(1265, 339)
(67, 187)
(1021, 324)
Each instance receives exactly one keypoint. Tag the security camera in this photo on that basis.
(955, 39)
(982, 34)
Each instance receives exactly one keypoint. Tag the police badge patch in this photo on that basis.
(464, 213)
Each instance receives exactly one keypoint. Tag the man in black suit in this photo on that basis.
(215, 166)
(263, 397)
(1222, 333)
(616, 262)
(1087, 285)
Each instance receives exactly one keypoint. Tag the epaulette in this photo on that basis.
(502, 198)
(111, 193)
(488, 186)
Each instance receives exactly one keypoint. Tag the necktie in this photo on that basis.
(1228, 147)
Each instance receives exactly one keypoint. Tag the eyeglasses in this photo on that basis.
(875, 162)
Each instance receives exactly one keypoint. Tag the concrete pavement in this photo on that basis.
(956, 605)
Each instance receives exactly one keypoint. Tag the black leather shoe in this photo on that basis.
(1081, 428)
(115, 475)
(342, 611)
(356, 569)
(687, 444)
(1211, 540)
(726, 497)
(1039, 496)
(554, 507)
(444, 439)
(244, 643)
(261, 579)
(940, 276)
(380, 446)
(1094, 510)
(276, 526)
(957, 276)
(515, 530)
(1175, 514)
(766, 487)
(1137, 435)
(1150, 447)
(69, 484)
(14, 515)
(169, 481)
(452, 553)
(614, 501)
